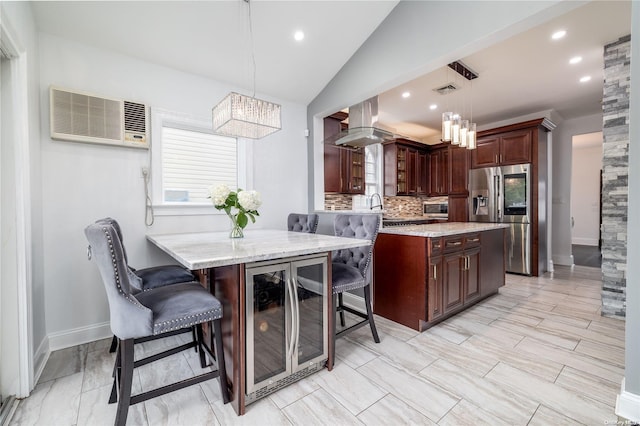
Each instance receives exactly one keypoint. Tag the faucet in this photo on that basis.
(379, 201)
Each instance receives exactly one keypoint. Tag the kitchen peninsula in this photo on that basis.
(275, 290)
(424, 274)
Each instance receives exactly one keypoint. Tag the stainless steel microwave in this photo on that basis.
(435, 209)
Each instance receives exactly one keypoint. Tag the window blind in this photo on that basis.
(193, 161)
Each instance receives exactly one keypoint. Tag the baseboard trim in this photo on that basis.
(563, 260)
(40, 359)
(79, 336)
(628, 405)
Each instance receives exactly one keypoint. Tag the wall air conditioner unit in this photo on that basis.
(82, 117)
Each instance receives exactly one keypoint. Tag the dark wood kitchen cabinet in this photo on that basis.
(404, 168)
(420, 281)
(343, 168)
(439, 172)
(503, 149)
(458, 170)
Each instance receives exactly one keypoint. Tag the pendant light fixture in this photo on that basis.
(455, 129)
(243, 116)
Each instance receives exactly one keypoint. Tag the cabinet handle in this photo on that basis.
(436, 246)
(435, 273)
(454, 244)
(473, 240)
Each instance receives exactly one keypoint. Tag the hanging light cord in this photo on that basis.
(253, 56)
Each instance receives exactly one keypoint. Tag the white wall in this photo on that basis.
(561, 200)
(83, 182)
(585, 194)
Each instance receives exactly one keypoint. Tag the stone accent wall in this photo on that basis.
(615, 162)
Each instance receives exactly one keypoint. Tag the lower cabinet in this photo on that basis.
(458, 271)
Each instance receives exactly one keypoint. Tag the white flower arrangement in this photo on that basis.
(240, 206)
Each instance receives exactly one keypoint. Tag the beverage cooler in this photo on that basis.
(286, 322)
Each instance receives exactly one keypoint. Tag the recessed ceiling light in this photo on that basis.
(575, 60)
(298, 35)
(433, 106)
(585, 79)
(558, 34)
(406, 94)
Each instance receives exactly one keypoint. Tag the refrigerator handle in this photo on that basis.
(497, 198)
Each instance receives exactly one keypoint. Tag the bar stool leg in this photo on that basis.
(126, 379)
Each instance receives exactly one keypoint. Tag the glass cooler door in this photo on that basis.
(269, 325)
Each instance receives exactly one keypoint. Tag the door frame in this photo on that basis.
(19, 92)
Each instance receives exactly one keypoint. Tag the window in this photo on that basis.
(187, 158)
(372, 170)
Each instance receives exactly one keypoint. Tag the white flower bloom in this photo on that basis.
(219, 194)
(250, 200)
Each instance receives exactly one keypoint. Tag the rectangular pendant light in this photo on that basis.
(246, 117)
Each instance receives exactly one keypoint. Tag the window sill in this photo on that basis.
(185, 210)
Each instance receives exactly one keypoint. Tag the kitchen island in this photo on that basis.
(275, 290)
(424, 274)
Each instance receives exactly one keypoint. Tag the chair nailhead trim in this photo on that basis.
(215, 313)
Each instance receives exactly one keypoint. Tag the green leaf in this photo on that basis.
(242, 220)
(251, 216)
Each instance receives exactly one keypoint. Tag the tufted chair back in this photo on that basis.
(299, 222)
(363, 226)
(129, 318)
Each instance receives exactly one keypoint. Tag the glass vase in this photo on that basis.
(236, 230)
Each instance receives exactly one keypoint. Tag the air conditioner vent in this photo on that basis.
(83, 117)
(446, 89)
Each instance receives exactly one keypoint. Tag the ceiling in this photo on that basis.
(212, 38)
(525, 74)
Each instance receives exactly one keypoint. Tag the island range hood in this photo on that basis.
(363, 127)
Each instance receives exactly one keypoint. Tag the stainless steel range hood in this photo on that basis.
(363, 127)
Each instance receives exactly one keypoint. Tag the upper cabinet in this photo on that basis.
(503, 149)
(343, 168)
(439, 172)
(405, 168)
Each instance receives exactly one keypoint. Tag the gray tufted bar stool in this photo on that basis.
(148, 278)
(351, 268)
(299, 222)
(148, 315)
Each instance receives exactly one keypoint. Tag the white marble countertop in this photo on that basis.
(442, 229)
(211, 249)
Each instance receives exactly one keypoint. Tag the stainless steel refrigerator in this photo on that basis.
(503, 195)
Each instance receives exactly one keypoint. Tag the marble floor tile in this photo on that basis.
(543, 368)
(589, 385)
(546, 416)
(575, 406)
(99, 345)
(546, 314)
(467, 414)
(545, 336)
(391, 411)
(168, 370)
(617, 331)
(351, 352)
(500, 402)
(187, 407)
(396, 351)
(448, 331)
(294, 392)
(608, 353)
(95, 411)
(98, 370)
(572, 359)
(414, 390)
(455, 354)
(472, 328)
(581, 333)
(54, 402)
(351, 388)
(64, 362)
(319, 408)
(261, 412)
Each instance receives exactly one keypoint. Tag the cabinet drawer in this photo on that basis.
(435, 246)
(471, 240)
(452, 243)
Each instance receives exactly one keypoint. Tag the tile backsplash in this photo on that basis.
(393, 206)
